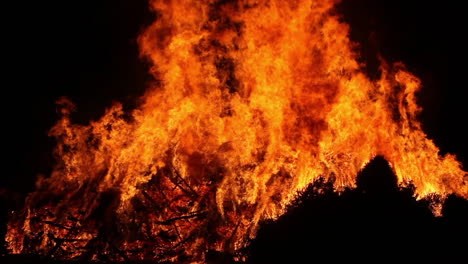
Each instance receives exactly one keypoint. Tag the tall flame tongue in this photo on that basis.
(255, 100)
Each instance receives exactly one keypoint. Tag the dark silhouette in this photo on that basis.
(377, 221)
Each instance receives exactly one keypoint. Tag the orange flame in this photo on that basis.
(254, 101)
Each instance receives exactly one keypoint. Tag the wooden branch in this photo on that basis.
(178, 176)
(58, 244)
(152, 201)
(55, 224)
(169, 221)
(177, 230)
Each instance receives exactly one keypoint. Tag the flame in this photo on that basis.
(254, 100)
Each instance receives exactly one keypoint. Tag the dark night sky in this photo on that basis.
(86, 50)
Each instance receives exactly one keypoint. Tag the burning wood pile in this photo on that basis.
(253, 101)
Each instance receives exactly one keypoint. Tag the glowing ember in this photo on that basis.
(254, 101)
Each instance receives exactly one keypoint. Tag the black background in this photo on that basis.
(86, 50)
